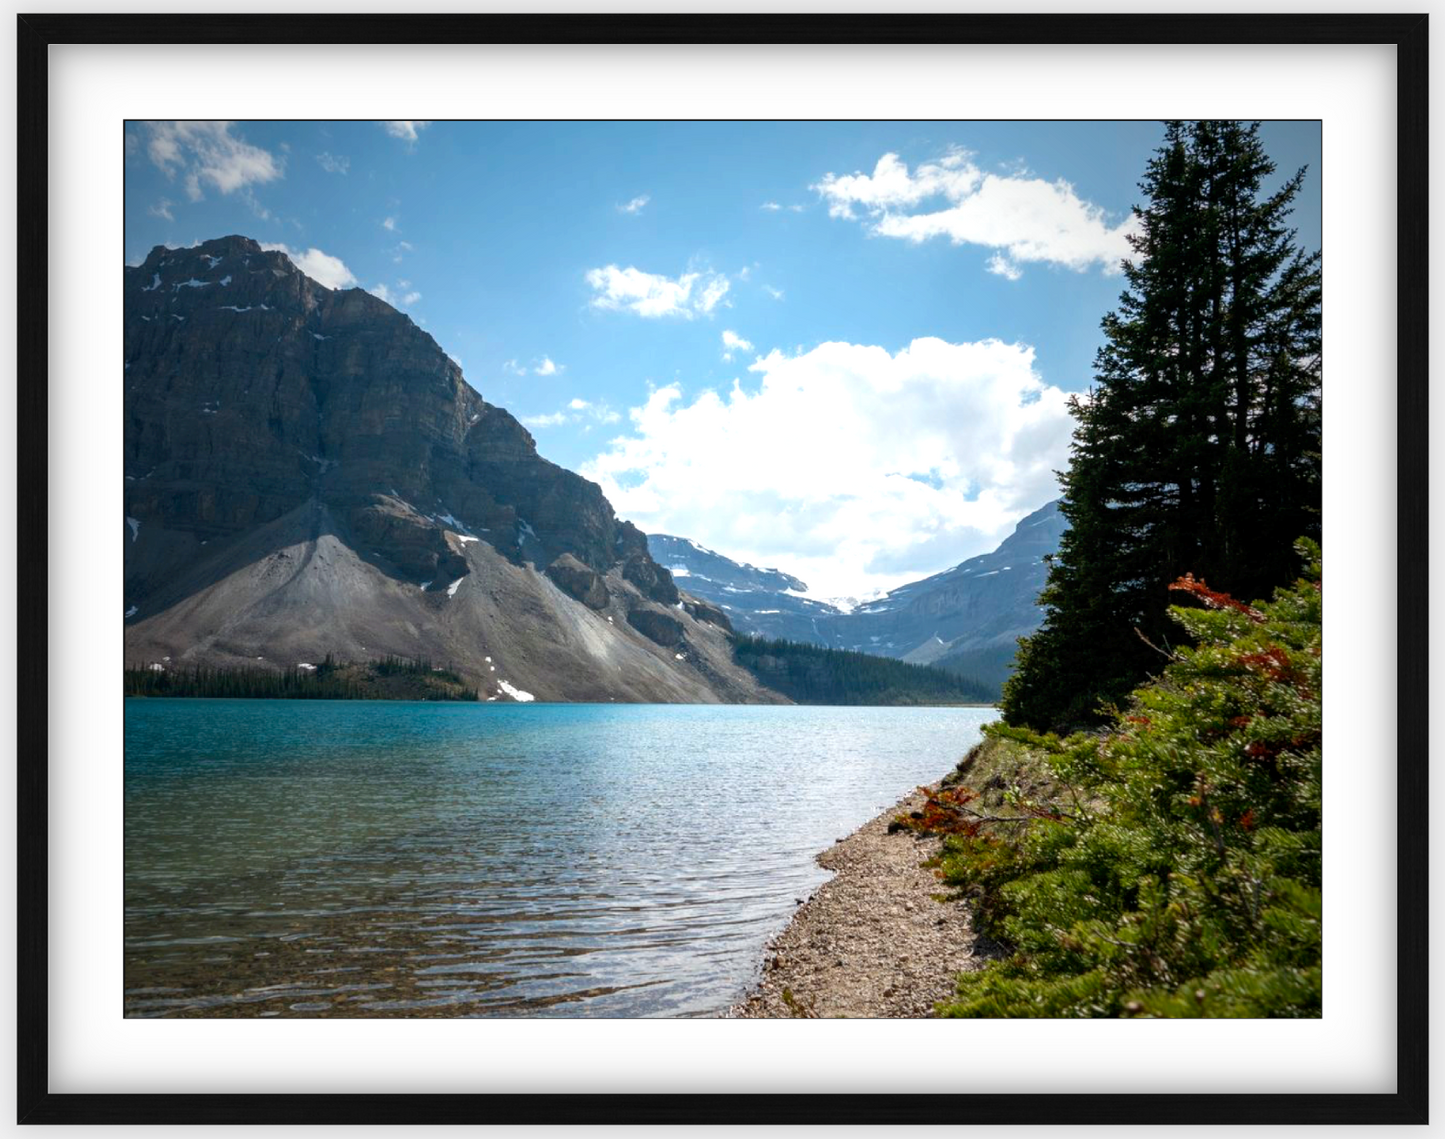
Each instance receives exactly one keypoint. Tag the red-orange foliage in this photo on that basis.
(1214, 599)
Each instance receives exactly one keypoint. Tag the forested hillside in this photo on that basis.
(810, 674)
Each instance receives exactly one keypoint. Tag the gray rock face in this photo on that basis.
(306, 469)
(657, 624)
(706, 611)
(580, 581)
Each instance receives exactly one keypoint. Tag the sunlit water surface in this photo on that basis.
(300, 858)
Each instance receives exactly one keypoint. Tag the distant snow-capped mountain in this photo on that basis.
(967, 619)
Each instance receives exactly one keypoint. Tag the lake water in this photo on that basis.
(314, 858)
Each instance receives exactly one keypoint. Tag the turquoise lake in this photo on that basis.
(320, 858)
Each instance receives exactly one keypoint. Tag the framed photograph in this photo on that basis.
(654, 590)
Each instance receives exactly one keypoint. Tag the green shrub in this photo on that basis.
(1176, 870)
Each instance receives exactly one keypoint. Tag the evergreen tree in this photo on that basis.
(1198, 447)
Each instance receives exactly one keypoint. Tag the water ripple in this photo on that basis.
(379, 859)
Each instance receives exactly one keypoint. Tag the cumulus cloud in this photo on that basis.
(774, 207)
(334, 163)
(578, 410)
(654, 295)
(320, 267)
(406, 129)
(399, 298)
(776, 294)
(547, 367)
(207, 154)
(1001, 266)
(635, 206)
(732, 342)
(388, 223)
(863, 468)
(162, 209)
(1025, 219)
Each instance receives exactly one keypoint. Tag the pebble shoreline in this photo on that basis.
(873, 941)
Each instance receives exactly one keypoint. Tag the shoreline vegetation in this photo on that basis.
(1165, 865)
(805, 674)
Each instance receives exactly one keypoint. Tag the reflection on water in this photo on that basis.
(300, 858)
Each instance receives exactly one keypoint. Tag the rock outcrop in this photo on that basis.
(580, 581)
(306, 471)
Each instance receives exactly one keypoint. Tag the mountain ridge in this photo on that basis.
(966, 619)
(307, 471)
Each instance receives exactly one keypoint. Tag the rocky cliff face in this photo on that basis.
(307, 471)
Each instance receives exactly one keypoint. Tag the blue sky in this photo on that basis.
(906, 303)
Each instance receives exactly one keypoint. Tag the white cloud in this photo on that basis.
(515, 368)
(334, 163)
(320, 267)
(206, 153)
(578, 410)
(651, 294)
(162, 209)
(635, 206)
(1003, 267)
(713, 290)
(776, 294)
(388, 223)
(1025, 219)
(864, 468)
(401, 250)
(774, 207)
(547, 367)
(395, 299)
(405, 128)
(732, 342)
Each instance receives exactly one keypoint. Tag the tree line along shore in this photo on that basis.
(806, 674)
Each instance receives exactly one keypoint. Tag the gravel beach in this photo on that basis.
(872, 941)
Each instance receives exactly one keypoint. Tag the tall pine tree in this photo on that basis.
(1197, 450)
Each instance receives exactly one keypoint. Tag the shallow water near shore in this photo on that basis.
(319, 858)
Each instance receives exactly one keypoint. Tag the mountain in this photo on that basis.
(965, 619)
(968, 618)
(765, 602)
(306, 472)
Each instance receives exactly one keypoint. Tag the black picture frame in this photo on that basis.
(1409, 1104)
